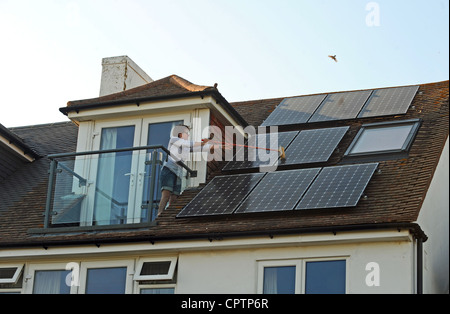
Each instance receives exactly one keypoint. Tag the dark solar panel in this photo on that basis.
(338, 187)
(389, 101)
(252, 157)
(222, 195)
(294, 110)
(278, 191)
(341, 106)
(314, 145)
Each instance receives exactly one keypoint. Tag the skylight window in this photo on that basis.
(384, 138)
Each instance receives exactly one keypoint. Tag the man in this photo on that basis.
(172, 173)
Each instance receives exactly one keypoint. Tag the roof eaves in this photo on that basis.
(206, 92)
(15, 140)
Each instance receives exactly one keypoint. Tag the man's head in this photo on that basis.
(181, 131)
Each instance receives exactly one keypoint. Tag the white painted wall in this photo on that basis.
(233, 266)
(434, 220)
(237, 271)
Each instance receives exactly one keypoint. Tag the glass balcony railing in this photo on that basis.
(105, 188)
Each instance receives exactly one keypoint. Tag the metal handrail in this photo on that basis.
(192, 173)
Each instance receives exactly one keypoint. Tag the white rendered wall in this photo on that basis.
(434, 220)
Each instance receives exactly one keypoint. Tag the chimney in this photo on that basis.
(120, 74)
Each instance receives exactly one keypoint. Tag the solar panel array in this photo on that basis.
(330, 187)
(338, 187)
(301, 189)
(312, 146)
(307, 146)
(294, 110)
(221, 196)
(278, 191)
(389, 101)
(341, 106)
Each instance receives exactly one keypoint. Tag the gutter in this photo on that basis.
(213, 92)
(414, 228)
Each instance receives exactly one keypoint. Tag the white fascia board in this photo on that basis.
(164, 247)
(16, 150)
(151, 107)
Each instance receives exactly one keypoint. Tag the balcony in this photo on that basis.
(105, 189)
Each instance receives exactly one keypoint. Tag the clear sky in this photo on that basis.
(51, 50)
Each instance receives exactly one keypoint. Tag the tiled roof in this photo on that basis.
(396, 192)
(23, 193)
(171, 85)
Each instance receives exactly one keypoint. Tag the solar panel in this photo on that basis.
(294, 110)
(341, 106)
(389, 101)
(338, 187)
(221, 196)
(252, 156)
(278, 191)
(314, 145)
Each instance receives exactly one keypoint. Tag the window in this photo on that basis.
(48, 279)
(279, 280)
(384, 138)
(11, 279)
(325, 277)
(106, 280)
(319, 276)
(51, 282)
(10, 273)
(279, 277)
(112, 277)
(155, 269)
(157, 290)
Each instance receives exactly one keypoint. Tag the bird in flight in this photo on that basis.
(333, 57)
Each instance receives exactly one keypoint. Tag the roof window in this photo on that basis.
(384, 138)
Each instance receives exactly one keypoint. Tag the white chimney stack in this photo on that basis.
(120, 74)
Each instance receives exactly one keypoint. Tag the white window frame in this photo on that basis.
(279, 263)
(168, 276)
(300, 270)
(324, 259)
(157, 286)
(85, 266)
(16, 275)
(31, 275)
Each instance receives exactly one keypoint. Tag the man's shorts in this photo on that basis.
(170, 181)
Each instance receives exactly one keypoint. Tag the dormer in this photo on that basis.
(113, 178)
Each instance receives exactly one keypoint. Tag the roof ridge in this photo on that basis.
(186, 84)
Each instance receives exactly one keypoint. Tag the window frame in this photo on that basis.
(404, 150)
(85, 266)
(169, 276)
(16, 276)
(31, 275)
(300, 270)
(331, 259)
(279, 263)
(156, 286)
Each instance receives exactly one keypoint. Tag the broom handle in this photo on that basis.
(223, 143)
